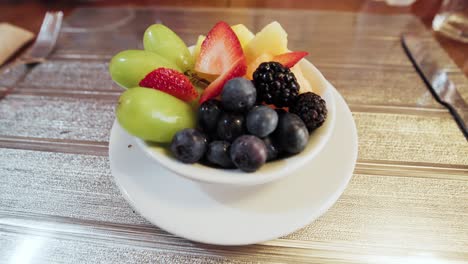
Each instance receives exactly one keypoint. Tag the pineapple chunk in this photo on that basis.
(301, 80)
(272, 39)
(251, 67)
(243, 33)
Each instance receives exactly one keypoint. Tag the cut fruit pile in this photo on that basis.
(238, 100)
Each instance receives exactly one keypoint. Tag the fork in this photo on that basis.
(42, 47)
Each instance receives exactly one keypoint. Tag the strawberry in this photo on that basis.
(290, 59)
(238, 69)
(219, 51)
(172, 82)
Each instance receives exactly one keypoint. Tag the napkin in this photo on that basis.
(11, 39)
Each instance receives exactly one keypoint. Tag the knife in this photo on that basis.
(38, 53)
(436, 78)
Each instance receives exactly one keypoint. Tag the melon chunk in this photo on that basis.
(243, 34)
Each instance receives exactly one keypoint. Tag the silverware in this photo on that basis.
(38, 52)
(437, 79)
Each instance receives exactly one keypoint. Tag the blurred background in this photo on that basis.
(29, 14)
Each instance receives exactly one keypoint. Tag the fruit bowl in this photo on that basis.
(270, 171)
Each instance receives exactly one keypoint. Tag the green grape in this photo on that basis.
(129, 67)
(163, 41)
(153, 115)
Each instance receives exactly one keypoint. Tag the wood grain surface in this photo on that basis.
(29, 14)
(406, 203)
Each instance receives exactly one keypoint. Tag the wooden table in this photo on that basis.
(406, 203)
(29, 14)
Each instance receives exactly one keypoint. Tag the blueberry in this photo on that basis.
(238, 95)
(230, 126)
(208, 115)
(261, 121)
(248, 153)
(291, 134)
(218, 153)
(272, 150)
(188, 145)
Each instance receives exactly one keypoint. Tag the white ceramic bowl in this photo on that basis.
(271, 170)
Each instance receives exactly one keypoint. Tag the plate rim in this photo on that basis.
(270, 171)
(330, 201)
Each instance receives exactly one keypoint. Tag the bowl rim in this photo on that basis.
(203, 173)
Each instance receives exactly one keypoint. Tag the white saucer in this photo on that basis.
(223, 215)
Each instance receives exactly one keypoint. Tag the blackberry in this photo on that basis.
(311, 108)
(275, 84)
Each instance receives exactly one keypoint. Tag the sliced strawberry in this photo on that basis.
(219, 51)
(290, 59)
(171, 82)
(238, 69)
